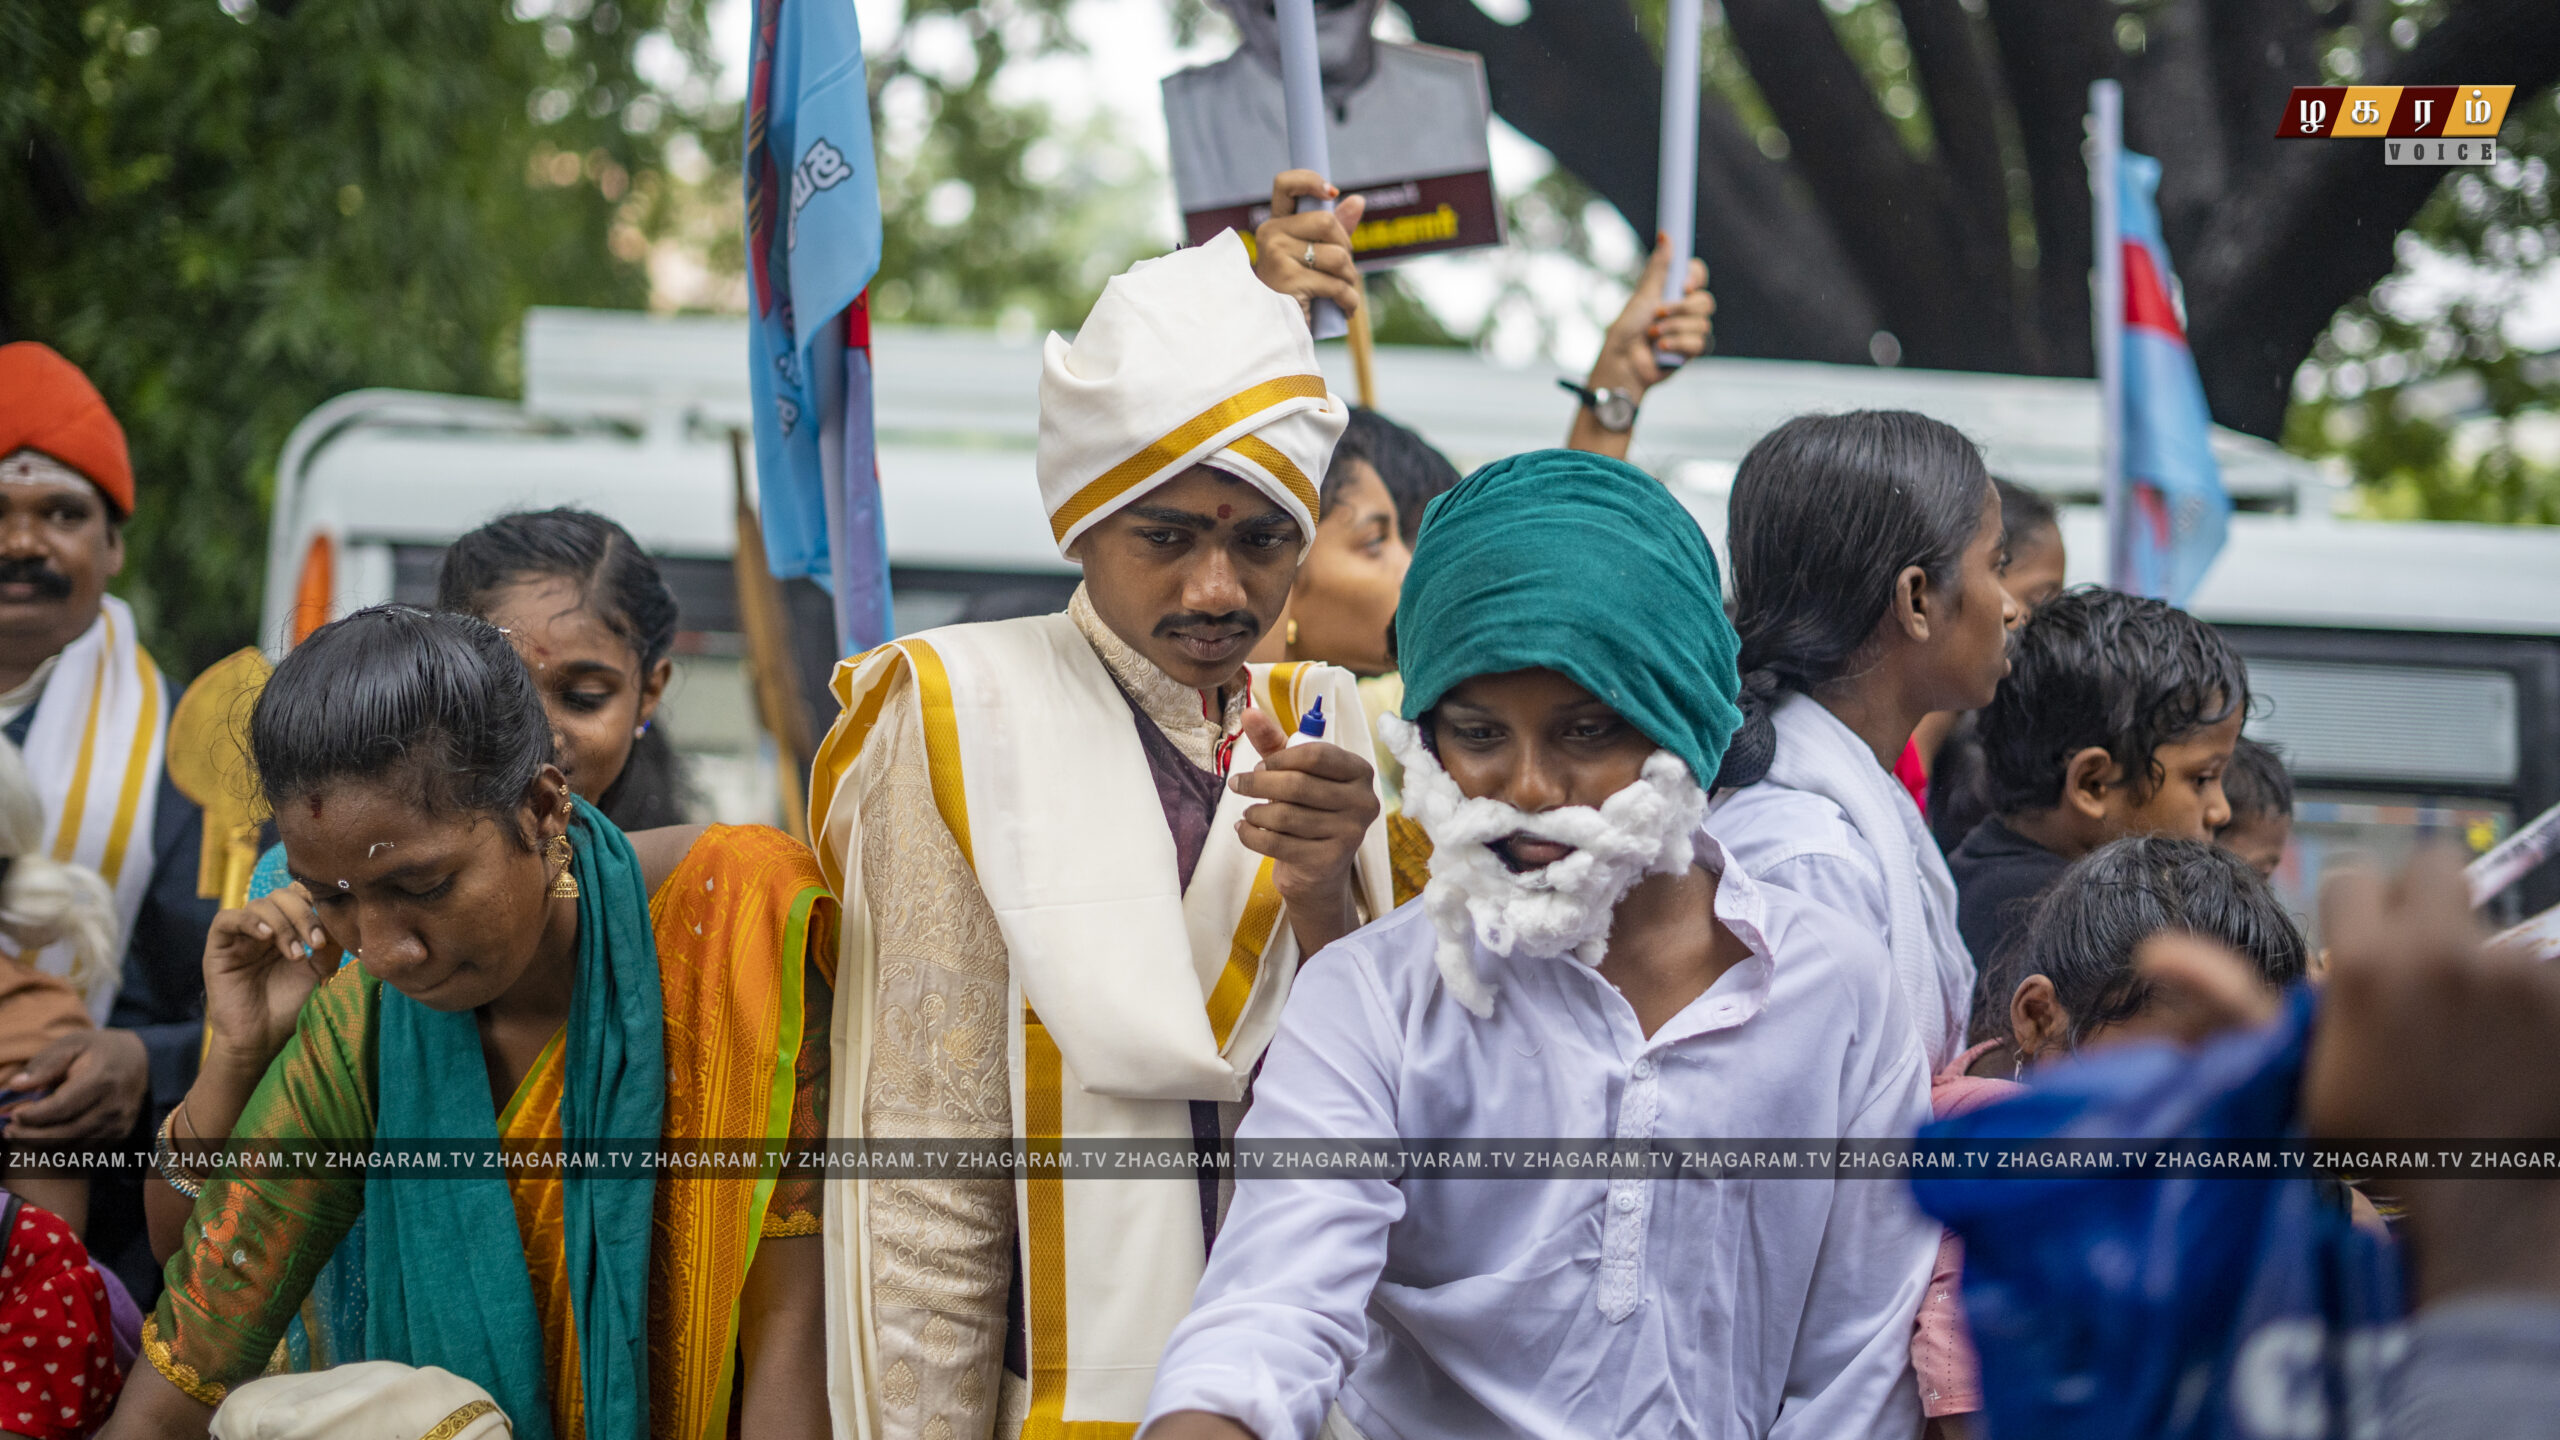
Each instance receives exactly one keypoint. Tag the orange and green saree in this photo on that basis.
(744, 945)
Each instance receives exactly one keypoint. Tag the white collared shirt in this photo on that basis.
(1582, 1306)
(1806, 843)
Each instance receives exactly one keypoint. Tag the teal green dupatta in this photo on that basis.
(442, 1287)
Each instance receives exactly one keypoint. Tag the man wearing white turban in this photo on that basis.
(1073, 902)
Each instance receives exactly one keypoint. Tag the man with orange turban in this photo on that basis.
(90, 709)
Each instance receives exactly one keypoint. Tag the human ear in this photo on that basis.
(653, 688)
(2086, 777)
(2037, 1021)
(1911, 602)
(547, 805)
(115, 549)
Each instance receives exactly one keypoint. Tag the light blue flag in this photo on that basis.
(2174, 511)
(813, 243)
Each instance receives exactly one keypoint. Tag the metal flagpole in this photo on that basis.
(2106, 152)
(1677, 216)
(1302, 100)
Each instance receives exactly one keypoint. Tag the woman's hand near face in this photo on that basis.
(261, 962)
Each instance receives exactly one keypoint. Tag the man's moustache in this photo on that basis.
(1203, 620)
(50, 583)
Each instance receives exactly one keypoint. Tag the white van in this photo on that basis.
(2411, 671)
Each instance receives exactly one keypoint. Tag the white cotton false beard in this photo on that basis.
(1648, 828)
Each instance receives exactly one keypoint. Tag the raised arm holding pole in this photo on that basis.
(1302, 98)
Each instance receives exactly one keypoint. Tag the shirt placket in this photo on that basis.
(1630, 1197)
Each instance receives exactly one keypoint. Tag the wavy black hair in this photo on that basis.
(1411, 469)
(2099, 667)
(1827, 512)
(2083, 932)
(617, 583)
(438, 705)
(2257, 783)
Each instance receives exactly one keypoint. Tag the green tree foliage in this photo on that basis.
(2430, 404)
(992, 212)
(229, 213)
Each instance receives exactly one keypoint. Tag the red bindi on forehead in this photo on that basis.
(1226, 512)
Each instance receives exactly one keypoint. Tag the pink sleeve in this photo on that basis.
(1941, 1349)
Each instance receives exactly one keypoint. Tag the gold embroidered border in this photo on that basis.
(1267, 455)
(807, 1222)
(942, 743)
(1181, 441)
(460, 1420)
(137, 767)
(75, 805)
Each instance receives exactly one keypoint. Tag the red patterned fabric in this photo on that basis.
(58, 1375)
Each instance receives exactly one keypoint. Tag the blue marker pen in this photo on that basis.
(1310, 725)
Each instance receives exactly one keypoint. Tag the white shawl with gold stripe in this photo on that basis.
(94, 750)
(1129, 997)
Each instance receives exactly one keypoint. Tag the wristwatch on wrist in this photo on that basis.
(1614, 409)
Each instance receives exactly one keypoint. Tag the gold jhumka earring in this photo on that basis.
(564, 886)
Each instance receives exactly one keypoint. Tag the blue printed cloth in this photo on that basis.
(2167, 1307)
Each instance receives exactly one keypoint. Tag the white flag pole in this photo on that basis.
(1302, 100)
(1677, 187)
(2106, 151)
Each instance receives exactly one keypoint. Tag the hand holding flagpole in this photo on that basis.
(1302, 99)
(1677, 218)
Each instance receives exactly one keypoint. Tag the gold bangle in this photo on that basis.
(166, 1161)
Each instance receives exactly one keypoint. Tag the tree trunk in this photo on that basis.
(1854, 232)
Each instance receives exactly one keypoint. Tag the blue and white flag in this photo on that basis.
(2173, 513)
(813, 243)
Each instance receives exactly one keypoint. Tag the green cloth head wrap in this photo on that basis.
(1576, 563)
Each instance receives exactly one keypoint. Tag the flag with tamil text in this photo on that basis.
(813, 243)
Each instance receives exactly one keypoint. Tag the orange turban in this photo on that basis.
(46, 404)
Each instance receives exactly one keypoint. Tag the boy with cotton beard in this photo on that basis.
(1587, 964)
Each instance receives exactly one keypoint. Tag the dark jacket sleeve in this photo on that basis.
(162, 998)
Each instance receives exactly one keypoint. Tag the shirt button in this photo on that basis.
(1642, 1069)
(1627, 1201)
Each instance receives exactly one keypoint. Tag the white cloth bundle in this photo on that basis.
(374, 1400)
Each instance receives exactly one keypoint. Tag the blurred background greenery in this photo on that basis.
(229, 211)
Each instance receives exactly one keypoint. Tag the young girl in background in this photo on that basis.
(586, 608)
(1867, 556)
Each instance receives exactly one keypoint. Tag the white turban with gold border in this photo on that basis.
(1187, 359)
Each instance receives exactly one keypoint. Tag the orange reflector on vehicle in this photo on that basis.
(318, 588)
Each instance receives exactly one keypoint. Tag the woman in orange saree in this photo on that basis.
(521, 975)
